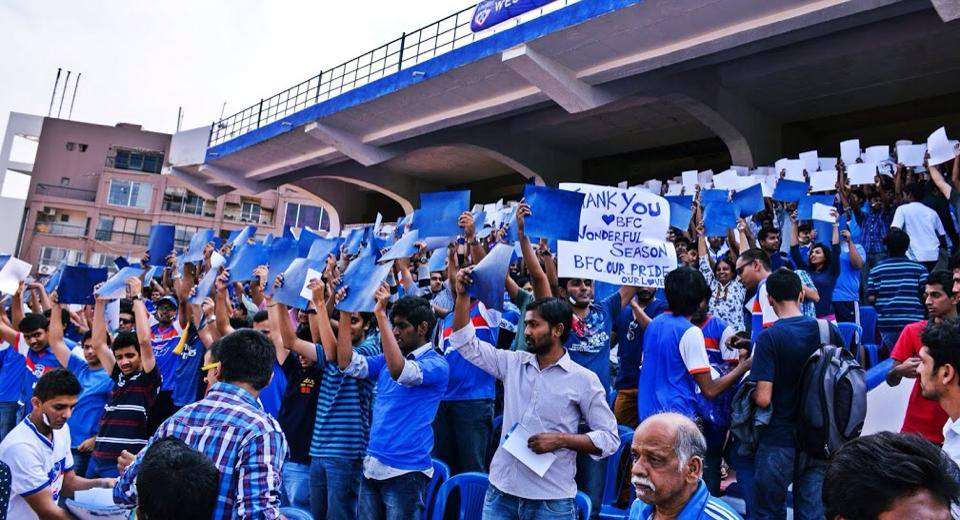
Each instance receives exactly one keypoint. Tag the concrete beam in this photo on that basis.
(348, 144)
(234, 180)
(555, 80)
(200, 184)
(948, 10)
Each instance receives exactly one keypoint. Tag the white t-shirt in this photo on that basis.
(35, 464)
(924, 227)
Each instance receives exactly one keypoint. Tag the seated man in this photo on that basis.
(668, 452)
(176, 482)
(918, 480)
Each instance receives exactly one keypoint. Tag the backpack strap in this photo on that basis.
(824, 327)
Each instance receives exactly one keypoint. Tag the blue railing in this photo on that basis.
(410, 49)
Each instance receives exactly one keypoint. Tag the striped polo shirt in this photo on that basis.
(123, 425)
(344, 408)
(897, 283)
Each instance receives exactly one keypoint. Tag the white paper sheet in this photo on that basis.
(911, 155)
(811, 163)
(861, 173)
(12, 273)
(794, 169)
(876, 154)
(622, 185)
(305, 292)
(850, 151)
(824, 212)
(655, 186)
(824, 180)
(705, 179)
(689, 180)
(827, 163)
(516, 445)
(726, 180)
(940, 148)
(674, 189)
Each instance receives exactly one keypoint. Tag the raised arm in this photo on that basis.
(320, 320)
(55, 337)
(280, 318)
(939, 181)
(538, 277)
(142, 319)
(220, 304)
(464, 339)
(391, 349)
(99, 337)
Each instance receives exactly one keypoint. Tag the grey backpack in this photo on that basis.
(833, 398)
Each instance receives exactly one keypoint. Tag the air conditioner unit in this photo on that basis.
(50, 211)
(46, 269)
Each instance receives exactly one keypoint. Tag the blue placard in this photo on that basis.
(711, 196)
(115, 286)
(489, 276)
(680, 216)
(749, 200)
(683, 200)
(353, 241)
(161, 243)
(280, 255)
(77, 283)
(404, 248)
(790, 191)
(120, 262)
(53, 280)
(805, 205)
(440, 211)
(204, 286)
(361, 278)
(305, 241)
(198, 242)
(438, 261)
(491, 12)
(717, 218)
(553, 213)
(245, 260)
(294, 278)
(322, 247)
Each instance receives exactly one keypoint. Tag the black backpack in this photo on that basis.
(833, 398)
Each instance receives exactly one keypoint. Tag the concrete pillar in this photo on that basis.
(555, 80)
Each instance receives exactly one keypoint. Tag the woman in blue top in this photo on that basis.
(823, 266)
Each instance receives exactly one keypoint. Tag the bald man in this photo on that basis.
(668, 451)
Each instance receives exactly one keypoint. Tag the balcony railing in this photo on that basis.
(121, 237)
(66, 192)
(404, 52)
(60, 229)
(262, 221)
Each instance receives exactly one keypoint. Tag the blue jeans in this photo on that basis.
(397, 498)
(334, 487)
(746, 469)
(296, 485)
(99, 468)
(461, 433)
(498, 505)
(778, 467)
(9, 413)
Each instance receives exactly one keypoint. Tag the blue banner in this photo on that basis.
(492, 12)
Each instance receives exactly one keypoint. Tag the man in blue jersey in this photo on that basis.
(668, 452)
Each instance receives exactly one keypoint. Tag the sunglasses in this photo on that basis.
(125, 321)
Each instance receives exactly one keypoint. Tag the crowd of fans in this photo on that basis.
(233, 404)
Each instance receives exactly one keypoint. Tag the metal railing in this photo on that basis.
(60, 229)
(404, 52)
(120, 237)
(66, 192)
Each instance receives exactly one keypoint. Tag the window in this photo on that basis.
(52, 257)
(123, 230)
(249, 211)
(82, 147)
(183, 234)
(305, 215)
(141, 161)
(71, 146)
(130, 194)
(64, 181)
(182, 200)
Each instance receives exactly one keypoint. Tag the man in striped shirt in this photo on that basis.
(893, 288)
(230, 427)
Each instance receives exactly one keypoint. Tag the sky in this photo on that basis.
(142, 60)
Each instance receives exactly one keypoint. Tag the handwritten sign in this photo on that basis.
(643, 264)
(620, 215)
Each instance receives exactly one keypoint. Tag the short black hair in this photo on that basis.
(33, 321)
(176, 482)
(915, 190)
(942, 340)
(56, 383)
(767, 231)
(247, 356)
(783, 285)
(261, 316)
(868, 474)
(683, 240)
(686, 289)
(125, 339)
(804, 227)
(415, 310)
(126, 306)
(555, 311)
(897, 242)
(756, 254)
(240, 323)
(942, 278)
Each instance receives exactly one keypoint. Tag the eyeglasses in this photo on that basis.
(125, 321)
(741, 268)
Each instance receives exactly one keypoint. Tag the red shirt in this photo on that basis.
(923, 415)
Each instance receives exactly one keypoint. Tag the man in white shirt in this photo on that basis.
(939, 379)
(923, 225)
(38, 452)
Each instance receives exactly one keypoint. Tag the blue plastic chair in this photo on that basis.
(611, 397)
(583, 506)
(612, 482)
(472, 486)
(868, 324)
(851, 334)
(441, 473)
(294, 513)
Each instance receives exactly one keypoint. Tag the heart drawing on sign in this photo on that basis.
(608, 219)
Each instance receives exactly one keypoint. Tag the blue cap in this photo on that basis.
(169, 299)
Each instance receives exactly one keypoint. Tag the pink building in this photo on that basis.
(96, 190)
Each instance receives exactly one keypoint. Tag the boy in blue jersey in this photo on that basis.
(24, 356)
(411, 379)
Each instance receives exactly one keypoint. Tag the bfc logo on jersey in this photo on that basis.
(39, 369)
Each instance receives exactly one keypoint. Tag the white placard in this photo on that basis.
(827, 163)
(516, 444)
(674, 188)
(623, 185)
(940, 148)
(861, 173)
(305, 292)
(617, 215)
(850, 151)
(824, 212)
(911, 155)
(811, 162)
(794, 169)
(689, 180)
(12, 273)
(643, 264)
(726, 180)
(655, 186)
(876, 154)
(824, 180)
(705, 179)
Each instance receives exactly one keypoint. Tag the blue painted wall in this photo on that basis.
(531, 30)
